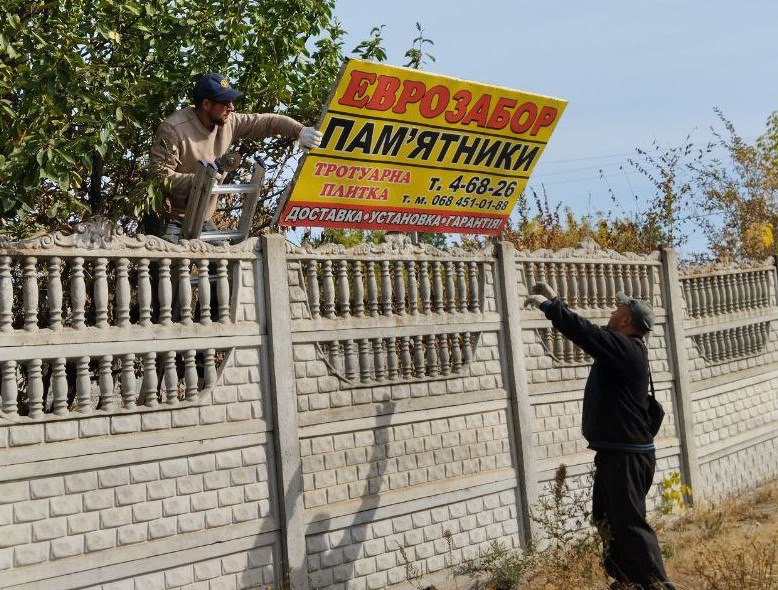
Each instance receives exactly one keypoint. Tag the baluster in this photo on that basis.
(386, 287)
(559, 346)
(548, 340)
(209, 368)
(610, 286)
(475, 291)
(378, 359)
(204, 292)
(644, 288)
(223, 291)
(437, 288)
(541, 268)
(406, 363)
(391, 358)
(313, 289)
(467, 348)
(165, 293)
(461, 286)
(83, 386)
(740, 292)
(336, 356)
(327, 290)
(707, 351)
(424, 288)
(572, 292)
(185, 291)
(764, 297)
(359, 291)
(190, 376)
(122, 302)
(569, 351)
(721, 295)
(418, 357)
(443, 354)
(714, 348)
(708, 289)
(551, 277)
(634, 274)
(618, 279)
(54, 293)
(531, 274)
(583, 285)
(100, 292)
(144, 293)
(150, 383)
(602, 294)
(702, 310)
(561, 281)
(730, 291)
(105, 382)
(456, 354)
(399, 286)
(128, 381)
(413, 290)
(34, 389)
(344, 293)
(741, 341)
(6, 296)
(364, 360)
(30, 293)
(58, 388)
(352, 361)
(372, 288)
(170, 377)
(9, 388)
(762, 335)
(753, 339)
(752, 303)
(432, 355)
(592, 280)
(686, 289)
(695, 301)
(723, 344)
(451, 300)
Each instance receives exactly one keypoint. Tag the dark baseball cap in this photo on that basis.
(641, 310)
(215, 87)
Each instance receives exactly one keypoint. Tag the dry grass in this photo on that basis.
(733, 545)
(730, 546)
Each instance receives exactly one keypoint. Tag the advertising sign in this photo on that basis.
(412, 151)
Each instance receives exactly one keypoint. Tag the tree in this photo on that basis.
(84, 84)
(738, 193)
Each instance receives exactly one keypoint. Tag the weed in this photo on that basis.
(674, 494)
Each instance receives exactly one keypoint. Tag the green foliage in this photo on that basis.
(737, 194)
(674, 494)
(417, 55)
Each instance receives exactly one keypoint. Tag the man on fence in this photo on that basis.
(616, 425)
(205, 132)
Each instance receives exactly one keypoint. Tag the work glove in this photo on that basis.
(541, 293)
(309, 138)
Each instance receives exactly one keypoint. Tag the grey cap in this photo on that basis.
(641, 310)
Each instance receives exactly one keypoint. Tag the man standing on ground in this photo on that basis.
(205, 132)
(615, 423)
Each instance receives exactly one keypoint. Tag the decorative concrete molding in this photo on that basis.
(586, 249)
(723, 267)
(395, 244)
(102, 234)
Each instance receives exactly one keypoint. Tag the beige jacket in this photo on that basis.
(182, 140)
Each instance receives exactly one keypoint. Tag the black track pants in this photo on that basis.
(632, 554)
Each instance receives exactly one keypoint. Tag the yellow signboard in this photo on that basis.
(412, 151)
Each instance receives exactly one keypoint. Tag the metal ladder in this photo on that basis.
(205, 188)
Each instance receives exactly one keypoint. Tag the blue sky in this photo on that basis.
(632, 71)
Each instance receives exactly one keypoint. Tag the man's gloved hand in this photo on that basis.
(309, 138)
(543, 289)
(541, 293)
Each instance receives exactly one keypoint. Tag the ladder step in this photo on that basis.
(221, 236)
(234, 188)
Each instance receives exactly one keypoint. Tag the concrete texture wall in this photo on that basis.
(341, 417)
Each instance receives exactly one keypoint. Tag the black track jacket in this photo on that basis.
(615, 404)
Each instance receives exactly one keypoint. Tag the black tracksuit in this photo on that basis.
(615, 424)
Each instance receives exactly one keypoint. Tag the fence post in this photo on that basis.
(284, 411)
(676, 340)
(516, 384)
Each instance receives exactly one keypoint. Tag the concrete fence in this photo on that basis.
(242, 416)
